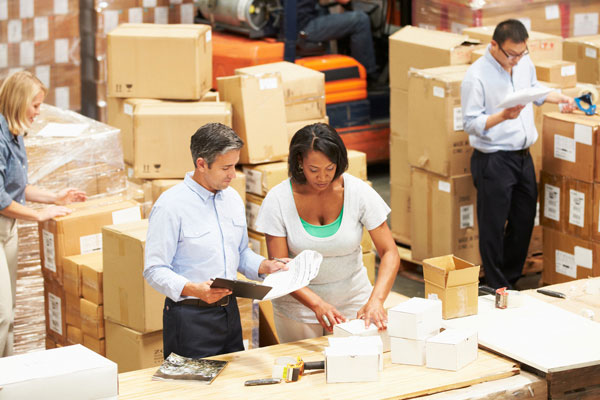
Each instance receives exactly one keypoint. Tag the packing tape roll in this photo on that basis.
(590, 89)
(280, 364)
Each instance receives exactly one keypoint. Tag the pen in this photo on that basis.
(279, 259)
(552, 293)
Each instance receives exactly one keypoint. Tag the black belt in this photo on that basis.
(522, 152)
(200, 303)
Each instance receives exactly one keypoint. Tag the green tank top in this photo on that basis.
(322, 231)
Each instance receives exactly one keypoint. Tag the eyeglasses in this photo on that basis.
(514, 56)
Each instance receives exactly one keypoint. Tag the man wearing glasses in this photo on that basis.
(501, 165)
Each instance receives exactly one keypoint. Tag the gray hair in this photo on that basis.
(212, 140)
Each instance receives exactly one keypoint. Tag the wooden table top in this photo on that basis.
(395, 381)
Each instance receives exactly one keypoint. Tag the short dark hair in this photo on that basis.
(511, 29)
(318, 137)
(213, 139)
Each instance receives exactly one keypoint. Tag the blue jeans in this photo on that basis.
(352, 24)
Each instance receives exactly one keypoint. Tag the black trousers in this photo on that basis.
(506, 208)
(197, 332)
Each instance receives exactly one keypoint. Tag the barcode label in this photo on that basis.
(49, 255)
(576, 208)
(552, 202)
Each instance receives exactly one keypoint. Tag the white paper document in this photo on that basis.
(301, 270)
(54, 129)
(524, 96)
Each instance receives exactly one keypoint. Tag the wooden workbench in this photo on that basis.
(396, 381)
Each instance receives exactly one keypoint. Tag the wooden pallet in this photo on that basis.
(409, 268)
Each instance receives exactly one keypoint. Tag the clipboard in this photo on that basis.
(249, 290)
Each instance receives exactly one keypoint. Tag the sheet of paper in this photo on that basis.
(301, 270)
(523, 97)
(53, 129)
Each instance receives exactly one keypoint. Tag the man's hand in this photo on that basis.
(270, 266)
(373, 312)
(512, 113)
(566, 104)
(204, 292)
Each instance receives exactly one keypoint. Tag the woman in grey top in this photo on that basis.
(21, 96)
(322, 209)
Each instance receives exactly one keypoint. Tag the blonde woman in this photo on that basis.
(21, 96)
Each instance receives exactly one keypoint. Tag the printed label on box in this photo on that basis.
(565, 264)
(3, 55)
(552, 202)
(61, 51)
(585, 24)
(552, 12)
(444, 186)
(187, 13)
(252, 214)
(49, 254)
(62, 98)
(3, 10)
(27, 53)
(576, 208)
(26, 9)
(458, 119)
(135, 15)
(591, 52)
(55, 313)
(583, 134)
(127, 109)
(568, 70)
(90, 243)
(253, 181)
(43, 74)
(584, 257)
(125, 215)
(111, 20)
(61, 7)
(14, 34)
(536, 222)
(161, 15)
(175, 1)
(40, 29)
(527, 22)
(267, 83)
(439, 92)
(466, 217)
(564, 148)
(149, 3)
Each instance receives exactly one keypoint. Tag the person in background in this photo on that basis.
(323, 209)
(197, 232)
(501, 165)
(21, 96)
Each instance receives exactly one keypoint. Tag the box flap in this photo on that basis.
(576, 117)
(448, 271)
(431, 38)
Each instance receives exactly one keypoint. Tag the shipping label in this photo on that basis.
(55, 313)
(49, 253)
(125, 215)
(458, 119)
(567, 70)
(564, 148)
(552, 202)
(90, 243)
(584, 257)
(467, 219)
(253, 181)
(577, 208)
(565, 264)
(582, 134)
(585, 24)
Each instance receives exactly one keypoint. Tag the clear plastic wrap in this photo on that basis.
(92, 161)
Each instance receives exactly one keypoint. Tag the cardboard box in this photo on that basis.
(258, 243)
(128, 299)
(427, 49)
(263, 177)
(71, 280)
(303, 88)
(156, 135)
(92, 319)
(455, 282)
(451, 350)
(79, 232)
(443, 216)
(253, 204)
(416, 318)
(542, 46)
(558, 72)
(399, 112)
(570, 145)
(401, 213)
(437, 144)
(356, 327)
(97, 345)
(357, 164)
(399, 166)
(74, 335)
(369, 263)
(357, 361)
(578, 210)
(407, 351)
(295, 126)
(567, 258)
(552, 201)
(133, 350)
(159, 186)
(71, 372)
(596, 213)
(55, 311)
(584, 51)
(252, 100)
(89, 275)
(239, 184)
(141, 55)
(72, 310)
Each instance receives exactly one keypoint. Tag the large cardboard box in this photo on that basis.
(303, 88)
(263, 177)
(552, 201)
(401, 212)
(97, 345)
(133, 350)
(92, 319)
(295, 126)
(559, 72)
(258, 243)
(578, 210)
(258, 115)
(426, 49)
(55, 311)
(80, 231)
(542, 46)
(159, 186)
(357, 164)
(443, 216)
(159, 61)
(71, 279)
(399, 166)
(156, 134)
(596, 213)
(72, 309)
(74, 335)
(437, 144)
(399, 112)
(584, 51)
(253, 203)
(128, 299)
(89, 267)
(455, 282)
(570, 142)
(567, 258)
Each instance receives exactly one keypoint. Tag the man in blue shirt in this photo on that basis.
(197, 232)
(501, 165)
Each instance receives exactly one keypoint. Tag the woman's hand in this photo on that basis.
(327, 315)
(69, 195)
(53, 211)
(373, 313)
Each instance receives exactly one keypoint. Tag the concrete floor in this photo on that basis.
(379, 175)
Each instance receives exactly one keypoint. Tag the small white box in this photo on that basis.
(408, 351)
(416, 318)
(72, 372)
(353, 359)
(451, 350)
(356, 327)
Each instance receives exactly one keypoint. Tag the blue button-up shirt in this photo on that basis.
(194, 236)
(13, 166)
(484, 86)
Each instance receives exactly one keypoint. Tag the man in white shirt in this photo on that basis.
(501, 165)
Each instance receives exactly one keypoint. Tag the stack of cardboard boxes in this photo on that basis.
(42, 37)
